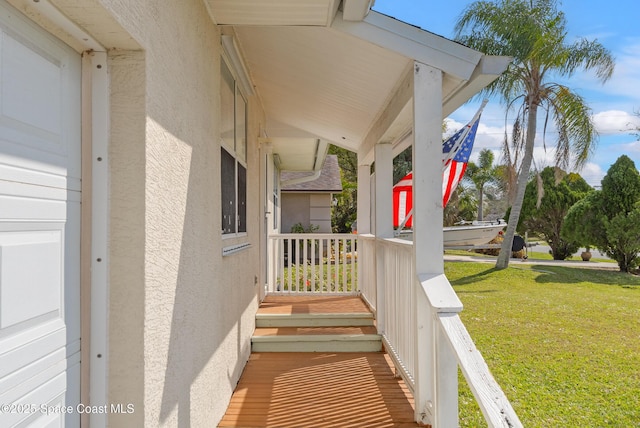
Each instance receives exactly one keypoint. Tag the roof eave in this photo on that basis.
(412, 42)
(488, 69)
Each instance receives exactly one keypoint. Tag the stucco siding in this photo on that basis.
(180, 314)
(127, 235)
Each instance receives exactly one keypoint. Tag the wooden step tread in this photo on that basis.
(309, 331)
(291, 304)
(315, 320)
(367, 315)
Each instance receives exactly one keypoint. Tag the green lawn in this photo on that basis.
(563, 343)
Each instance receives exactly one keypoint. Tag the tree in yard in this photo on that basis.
(609, 219)
(533, 32)
(461, 207)
(544, 208)
(402, 165)
(344, 211)
(482, 174)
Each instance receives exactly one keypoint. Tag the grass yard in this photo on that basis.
(563, 343)
(318, 277)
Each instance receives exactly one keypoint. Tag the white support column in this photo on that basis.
(364, 222)
(364, 198)
(266, 196)
(435, 404)
(384, 190)
(427, 169)
(384, 222)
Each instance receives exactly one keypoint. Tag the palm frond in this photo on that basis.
(577, 136)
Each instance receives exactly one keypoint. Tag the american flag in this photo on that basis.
(456, 151)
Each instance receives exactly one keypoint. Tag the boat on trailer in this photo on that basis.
(468, 234)
(471, 234)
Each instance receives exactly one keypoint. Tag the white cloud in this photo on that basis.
(626, 77)
(633, 147)
(592, 173)
(616, 122)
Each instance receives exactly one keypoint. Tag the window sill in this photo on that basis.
(232, 249)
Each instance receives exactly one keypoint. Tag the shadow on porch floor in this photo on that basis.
(320, 390)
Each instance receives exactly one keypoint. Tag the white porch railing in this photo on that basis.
(367, 269)
(313, 263)
(428, 356)
(408, 302)
(399, 312)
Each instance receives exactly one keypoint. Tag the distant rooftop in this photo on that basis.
(329, 180)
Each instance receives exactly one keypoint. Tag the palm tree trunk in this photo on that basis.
(523, 176)
(480, 205)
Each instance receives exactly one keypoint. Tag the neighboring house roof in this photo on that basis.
(328, 181)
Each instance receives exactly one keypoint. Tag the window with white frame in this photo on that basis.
(233, 155)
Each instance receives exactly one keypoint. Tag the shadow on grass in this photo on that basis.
(471, 279)
(571, 275)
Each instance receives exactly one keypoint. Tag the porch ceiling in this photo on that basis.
(320, 80)
(331, 77)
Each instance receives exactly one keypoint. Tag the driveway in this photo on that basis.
(514, 262)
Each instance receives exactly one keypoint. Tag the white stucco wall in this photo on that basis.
(180, 314)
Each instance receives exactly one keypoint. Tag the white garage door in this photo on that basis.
(39, 225)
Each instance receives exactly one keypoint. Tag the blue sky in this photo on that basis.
(614, 23)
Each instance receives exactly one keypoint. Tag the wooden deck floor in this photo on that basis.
(319, 389)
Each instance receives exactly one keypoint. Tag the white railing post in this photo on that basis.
(367, 269)
(437, 297)
(446, 371)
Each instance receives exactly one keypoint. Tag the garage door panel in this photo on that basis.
(39, 100)
(13, 371)
(35, 79)
(30, 276)
(40, 173)
(71, 302)
(39, 398)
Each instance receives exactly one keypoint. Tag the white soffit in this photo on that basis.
(299, 154)
(273, 12)
(321, 80)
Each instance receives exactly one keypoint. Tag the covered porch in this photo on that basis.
(335, 72)
(423, 342)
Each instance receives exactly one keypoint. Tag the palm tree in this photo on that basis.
(533, 33)
(481, 174)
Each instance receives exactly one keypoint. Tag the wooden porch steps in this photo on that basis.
(313, 324)
(318, 389)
